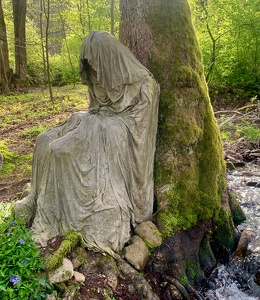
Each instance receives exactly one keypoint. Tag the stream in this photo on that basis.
(236, 280)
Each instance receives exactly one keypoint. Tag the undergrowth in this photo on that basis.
(22, 274)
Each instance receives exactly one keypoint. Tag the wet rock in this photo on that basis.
(63, 273)
(137, 254)
(246, 237)
(251, 183)
(149, 233)
(257, 277)
(254, 248)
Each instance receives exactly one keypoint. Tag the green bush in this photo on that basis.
(21, 268)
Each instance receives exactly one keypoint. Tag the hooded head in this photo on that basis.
(113, 64)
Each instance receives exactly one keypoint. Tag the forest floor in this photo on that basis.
(24, 116)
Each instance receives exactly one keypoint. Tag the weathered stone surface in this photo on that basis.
(79, 277)
(137, 254)
(63, 273)
(26, 190)
(246, 237)
(149, 233)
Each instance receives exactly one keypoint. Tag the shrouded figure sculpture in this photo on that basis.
(94, 173)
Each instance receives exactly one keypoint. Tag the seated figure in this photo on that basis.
(94, 173)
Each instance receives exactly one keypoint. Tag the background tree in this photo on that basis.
(228, 32)
(189, 165)
(19, 15)
(4, 59)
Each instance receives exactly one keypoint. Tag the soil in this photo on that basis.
(11, 188)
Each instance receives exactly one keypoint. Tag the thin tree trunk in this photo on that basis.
(112, 17)
(42, 9)
(19, 14)
(4, 59)
(47, 15)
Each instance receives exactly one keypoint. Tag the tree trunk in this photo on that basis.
(4, 61)
(19, 14)
(189, 165)
(112, 17)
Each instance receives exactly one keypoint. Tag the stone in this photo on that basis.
(137, 254)
(149, 233)
(175, 293)
(257, 277)
(79, 277)
(247, 236)
(26, 190)
(63, 273)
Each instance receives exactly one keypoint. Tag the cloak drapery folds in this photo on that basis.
(94, 174)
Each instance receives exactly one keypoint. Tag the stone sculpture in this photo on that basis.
(94, 173)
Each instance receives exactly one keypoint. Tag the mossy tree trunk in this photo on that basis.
(189, 165)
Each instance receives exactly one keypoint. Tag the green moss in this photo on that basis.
(14, 162)
(72, 238)
(224, 231)
(189, 165)
(184, 280)
(237, 213)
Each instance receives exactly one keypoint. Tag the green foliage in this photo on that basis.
(249, 132)
(228, 32)
(21, 267)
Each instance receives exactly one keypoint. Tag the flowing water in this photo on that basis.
(236, 280)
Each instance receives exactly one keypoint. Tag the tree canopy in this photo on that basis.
(228, 32)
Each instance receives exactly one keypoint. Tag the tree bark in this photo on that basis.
(19, 14)
(4, 60)
(189, 165)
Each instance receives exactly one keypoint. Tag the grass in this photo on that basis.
(24, 116)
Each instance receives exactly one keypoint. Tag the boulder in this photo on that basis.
(149, 233)
(137, 254)
(247, 236)
(63, 273)
(79, 277)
